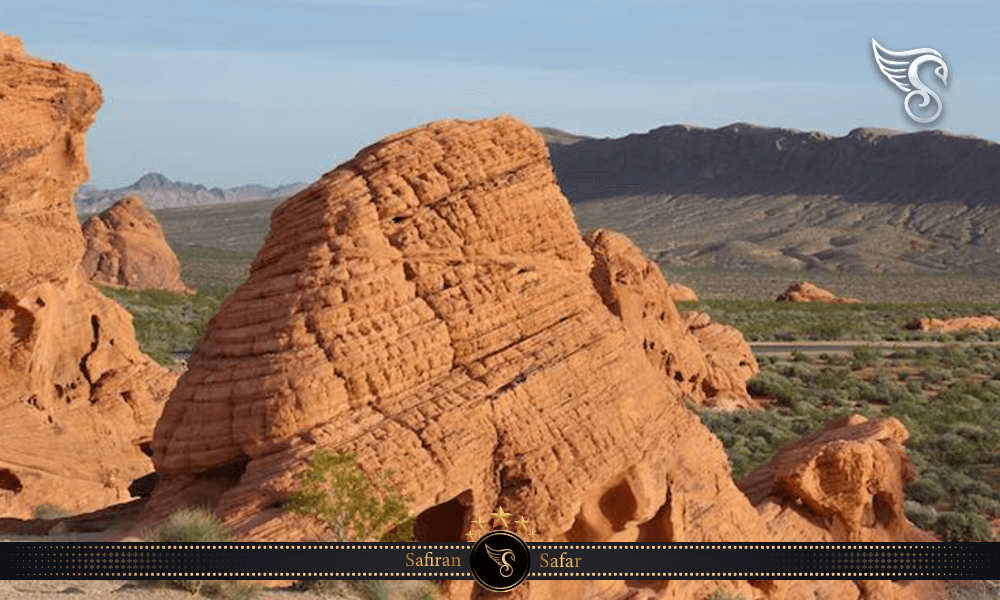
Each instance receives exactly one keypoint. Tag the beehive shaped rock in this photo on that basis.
(78, 398)
(431, 306)
(126, 247)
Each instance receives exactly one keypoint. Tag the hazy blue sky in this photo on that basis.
(225, 92)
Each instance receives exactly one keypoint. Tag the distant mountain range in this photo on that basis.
(159, 192)
(745, 196)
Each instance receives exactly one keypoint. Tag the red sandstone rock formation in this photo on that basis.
(126, 247)
(681, 293)
(710, 362)
(955, 324)
(804, 291)
(431, 306)
(78, 398)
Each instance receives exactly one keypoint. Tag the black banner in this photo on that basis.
(24, 560)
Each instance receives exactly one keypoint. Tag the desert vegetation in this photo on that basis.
(766, 320)
(948, 398)
(167, 324)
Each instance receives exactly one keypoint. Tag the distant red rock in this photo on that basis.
(804, 291)
(126, 247)
(955, 324)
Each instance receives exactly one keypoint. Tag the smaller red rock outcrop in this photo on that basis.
(711, 362)
(955, 324)
(849, 477)
(681, 293)
(803, 291)
(126, 247)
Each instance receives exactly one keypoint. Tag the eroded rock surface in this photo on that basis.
(710, 362)
(126, 247)
(804, 291)
(78, 399)
(955, 324)
(431, 306)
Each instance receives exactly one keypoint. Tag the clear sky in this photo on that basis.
(227, 92)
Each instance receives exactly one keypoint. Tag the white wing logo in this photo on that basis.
(901, 68)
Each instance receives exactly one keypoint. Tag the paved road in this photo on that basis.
(846, 346)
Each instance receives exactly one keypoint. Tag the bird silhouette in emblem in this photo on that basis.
(500, 558)
(902, 70)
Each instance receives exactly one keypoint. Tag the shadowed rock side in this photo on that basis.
(431, 306)
(803, 291)
(126, 247)
(78, 399)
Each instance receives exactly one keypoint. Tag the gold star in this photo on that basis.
(479, 522)
(501, 516)
(471, 533)
(532, 535)
(522, 522)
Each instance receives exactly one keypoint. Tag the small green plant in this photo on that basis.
(193, 526)
(50, 511)
(336, 490)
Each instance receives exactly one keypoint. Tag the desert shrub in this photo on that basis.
(797, 370)
(937, 375)
(831, 379)
(767, 383)
(864, 356)
(962, 527)
(336, 490)
(799, 356)
(194, 526)
(191, 526)
(975, 503)
(373, 589)
(920, 515)
(925, 491)
(50, 511)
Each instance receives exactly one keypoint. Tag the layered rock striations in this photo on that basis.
(78, 399)
(126, 247)
(431, 306)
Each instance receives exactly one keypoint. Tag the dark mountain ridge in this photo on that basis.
(740, 160)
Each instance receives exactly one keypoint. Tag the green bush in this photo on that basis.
(191, 526)
(50, 511)
(767, 383)
(962, 527)
(196, 526)
(920, 515)
(925, 491)
(336, 490)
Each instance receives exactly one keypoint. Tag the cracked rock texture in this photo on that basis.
(431, 306)
(78, 400)
(126, 247)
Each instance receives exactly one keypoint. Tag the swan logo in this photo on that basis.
(902, 69)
